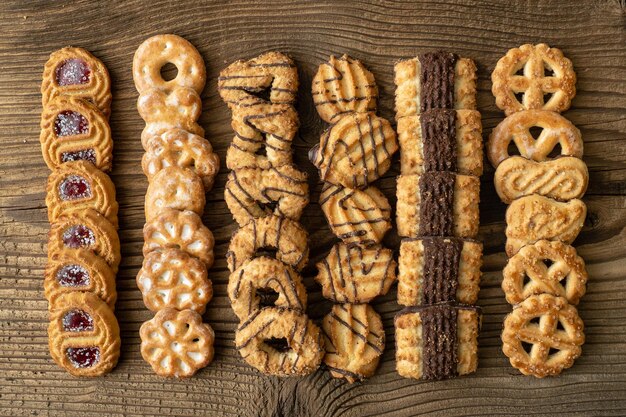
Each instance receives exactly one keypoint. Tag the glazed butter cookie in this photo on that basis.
(356, 274)
(437, 341)
(355, 151)
(354, 337)
(438, 204)
(434, 80)
(79, 185)
(83, 334)
(174, 188)
(439, 269)
(176, 343)
(441, 140)
(280, 342)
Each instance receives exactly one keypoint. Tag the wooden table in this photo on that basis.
(592, 34)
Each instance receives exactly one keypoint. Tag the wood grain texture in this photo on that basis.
(591, 34)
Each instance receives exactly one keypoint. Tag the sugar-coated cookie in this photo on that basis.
(174, 188)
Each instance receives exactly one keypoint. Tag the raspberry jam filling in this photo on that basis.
(88, 155)
(70, 123)
(74, 187)
(72, 71)
(83, 357)
(78, 236)
(73, 276)
(77, 321)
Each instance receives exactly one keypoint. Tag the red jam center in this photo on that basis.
(83, 357)
(77, 321)
(78, 236)
(73, 276)
(88, 155)
(70, 123)
(74, 187)
(72, 72)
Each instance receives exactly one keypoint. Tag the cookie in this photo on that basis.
(441, 140)
(354, 337)
(156, 52)
(541, 76)
(252, 193)
(85, 229)
(532, 218)
(274, 236)
(356, 274)
(355, 151)
(438, 204)
(264, 282)
(174, 188)
(343, 85)
(545, 267)
(181, 230)
(83, 334)
(557, 135)
(176, 343)
(280, 342)
(437, 341)
(171, 278)
(434, 80)
(270, 77)
(562, 179)
(74, 72)
(73, 129)
(543, 335)
(79, 270)
(439, 269)
(79, 185)
(356, 216)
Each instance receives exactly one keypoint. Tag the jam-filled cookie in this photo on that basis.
(174, 188)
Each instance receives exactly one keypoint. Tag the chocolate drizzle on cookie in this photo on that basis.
(441, 269)
(439, 140)
(436, 203)
(437, 80)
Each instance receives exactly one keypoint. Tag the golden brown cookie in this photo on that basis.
(355, 151)
(177, 147)
(274, 236)
(356, 274)
(531, 218)
(439, 269)
(437, 341)
(562, 179)
(264, 282)
(79, 185)
(542, 76)
(83, 334)
(176, 343)
(174, 188)
(85, 229)
(356, 216)
(73, 129)
(354, 338)
(438, 204)
(172, 278)
(252, 193)
(280, 342)
(434, 80)
(557, 134)
(343, 85)
(74, 72)
(78, 270)
(543, 335)
(545, 268)
(441, 140)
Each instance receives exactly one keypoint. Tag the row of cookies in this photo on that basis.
(440, 138)
(83, 245)
(353, 152)
(544, 277)
(181, 167)
(266, 194)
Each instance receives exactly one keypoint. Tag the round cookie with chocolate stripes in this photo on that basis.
(174, 188)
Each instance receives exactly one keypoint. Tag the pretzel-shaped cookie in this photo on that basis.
(174, 188)
(543, 335)
(556, 130)
(533, 82)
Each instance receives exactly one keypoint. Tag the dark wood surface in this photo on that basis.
(592, 34)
